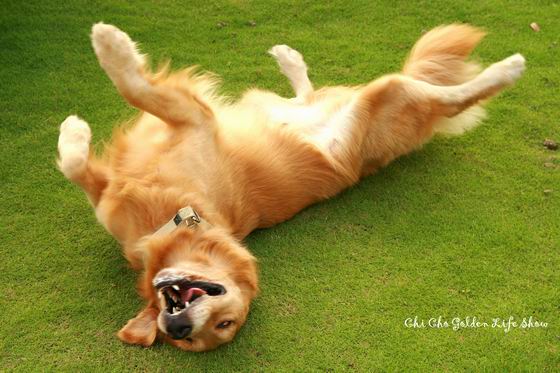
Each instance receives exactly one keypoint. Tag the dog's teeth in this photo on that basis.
(186, 304)
(176, 287)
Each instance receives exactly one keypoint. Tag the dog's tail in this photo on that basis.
(439, 58)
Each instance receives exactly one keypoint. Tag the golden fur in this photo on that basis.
(253, 163)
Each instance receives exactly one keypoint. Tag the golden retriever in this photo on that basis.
(196, 172)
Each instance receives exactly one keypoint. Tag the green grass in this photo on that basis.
(460, 228)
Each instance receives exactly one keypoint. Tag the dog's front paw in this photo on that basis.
(289, 59)
(73, 146)
(115, 50)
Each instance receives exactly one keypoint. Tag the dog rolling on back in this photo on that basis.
(232, 167)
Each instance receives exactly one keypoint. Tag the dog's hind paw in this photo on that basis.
(515, 66)
(509, 70)
(115, 50)
(289, 59)
(73, 146)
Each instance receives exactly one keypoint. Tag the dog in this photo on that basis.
(196, 172)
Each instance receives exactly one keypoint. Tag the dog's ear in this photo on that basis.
(141, 330)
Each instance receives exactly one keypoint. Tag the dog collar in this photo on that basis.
(186, 216)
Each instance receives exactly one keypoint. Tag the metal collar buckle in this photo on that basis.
(187, 215)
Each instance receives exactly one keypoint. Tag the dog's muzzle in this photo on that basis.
(177, 294)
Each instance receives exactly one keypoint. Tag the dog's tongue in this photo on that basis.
(189, 294)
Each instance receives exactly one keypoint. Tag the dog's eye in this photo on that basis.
(224, 324)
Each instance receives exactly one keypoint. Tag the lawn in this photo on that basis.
(466, 227)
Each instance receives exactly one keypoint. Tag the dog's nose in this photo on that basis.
(178, 328)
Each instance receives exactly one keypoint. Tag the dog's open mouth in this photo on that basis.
(180, 294)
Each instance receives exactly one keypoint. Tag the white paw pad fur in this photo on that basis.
(73, 146)
(114, 48)
(510, 69)
(289, 60)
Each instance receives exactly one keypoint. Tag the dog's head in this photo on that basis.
(199, 285)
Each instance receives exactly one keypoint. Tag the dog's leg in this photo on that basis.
(395, 115)
(74, 158)
(294, 68)
(453, 100)
(119, 57)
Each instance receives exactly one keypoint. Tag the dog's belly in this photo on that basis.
(303, 117)
(325, 127)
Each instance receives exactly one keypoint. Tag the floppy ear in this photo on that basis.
(141, 330)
